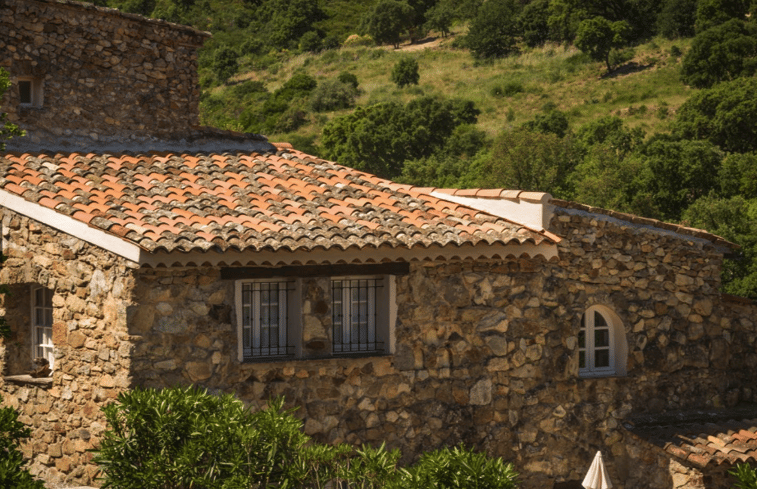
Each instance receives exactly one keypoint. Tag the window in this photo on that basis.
(30, 91)
(601, 343)
(42, 325)
(354, 315)
(264, 314)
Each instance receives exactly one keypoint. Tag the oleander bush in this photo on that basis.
(13, 474)
(183, 438)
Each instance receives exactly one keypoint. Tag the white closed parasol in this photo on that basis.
(597, 477)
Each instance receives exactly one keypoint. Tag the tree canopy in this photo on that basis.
(492, 33)
(598, 37)
(387, 21)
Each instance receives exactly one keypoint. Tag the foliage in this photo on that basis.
(746, 476)
(290, 20)
(598, 37)
(349, 79)
(387, 21)
(332, 95)
(380, 138)
(722, 53)
(492, 33)
(534, 22)
(675, 173)
(458, 468)
(310, 42)
(185, 437)
(710, 13)
(7, 129)
(552, 121)
(13, 475)
(225, 63)
(718, 114)
(441, 16)
(734, 219)
(405, 72)
(677, 18)
(525, 160)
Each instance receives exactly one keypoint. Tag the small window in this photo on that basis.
(354, 315)
(264, 314)
(602, 347)
(30, 91)
(42, 325)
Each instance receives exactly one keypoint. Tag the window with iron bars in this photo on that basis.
(264, 319)
(354, 315)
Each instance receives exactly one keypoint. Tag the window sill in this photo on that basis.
(337, 357)
(29, 380)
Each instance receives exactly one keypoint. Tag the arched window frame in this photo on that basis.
(602, 346)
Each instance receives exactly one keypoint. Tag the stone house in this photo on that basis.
(144, 250)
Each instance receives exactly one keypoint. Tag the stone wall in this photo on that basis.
(487, 353)
(100, 72)
(92, 348)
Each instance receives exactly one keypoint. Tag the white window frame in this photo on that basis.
(251, 318)
(36, 91)
(616, 347)
(377, 315)
(42, 325)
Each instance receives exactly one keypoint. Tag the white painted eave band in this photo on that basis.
(535, 215)
(71, 226)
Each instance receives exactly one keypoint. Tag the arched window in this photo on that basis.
(602, 349)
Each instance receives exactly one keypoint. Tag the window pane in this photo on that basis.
(582, 339)
(602, 358)
(599, 320)
(601, 338)
(581, 359)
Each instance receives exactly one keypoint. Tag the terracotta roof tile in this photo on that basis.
(701, 438)
(247, 201)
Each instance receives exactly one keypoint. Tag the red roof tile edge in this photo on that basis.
(644, 221)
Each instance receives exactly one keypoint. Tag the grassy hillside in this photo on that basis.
(508, 92)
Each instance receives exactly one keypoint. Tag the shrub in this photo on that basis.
(225, 63)
(310, 42)
(332, 95)
(507, 90)
(405, 72)
(185, 437)
(492, 34)
(459, 468)
(348, 78)
(13, 475)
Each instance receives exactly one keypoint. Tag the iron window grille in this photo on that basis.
(354, 315)
(264, 319)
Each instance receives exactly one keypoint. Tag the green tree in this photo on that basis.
(723, 53)
(565, 16)
(534, 22)
(552, 121)
(734, 219)
(677, 18)
(675, 173)
(310, 42)
(405, 72)
(492, 33)
(380, 138)
(387, 21)
(332, 95)
(225, 63)
(724, 115)
(290, 20)
(598, 37)
(710, 13)
(526, 160)
(441, 16)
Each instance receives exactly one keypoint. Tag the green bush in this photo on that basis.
(332, 95)
(225, 63)
(458, 468)
(405, 72)
(185, 437)
(349, 79)
(13, 475)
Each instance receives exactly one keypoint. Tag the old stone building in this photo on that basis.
(147, 251)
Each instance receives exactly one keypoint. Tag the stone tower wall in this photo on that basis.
(97, 72)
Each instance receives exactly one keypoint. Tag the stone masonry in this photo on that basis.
(101, 73)
(92, 347)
